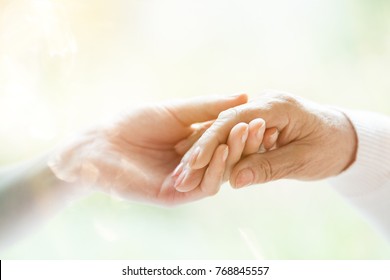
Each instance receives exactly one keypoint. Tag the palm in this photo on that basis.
(135, 156)
(146, 141)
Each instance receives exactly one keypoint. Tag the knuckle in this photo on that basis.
(228, 114)
(210, 190)
(281, 97)
(208, 133)
(287, 104)
(266, 172)
(288, 97)
(213, 191)
(212, 187)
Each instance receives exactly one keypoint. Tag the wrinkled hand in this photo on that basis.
(134, 157)
(314, 141)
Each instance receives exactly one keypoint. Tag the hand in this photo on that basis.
(244, 139)
(134, 157)
(314, 141)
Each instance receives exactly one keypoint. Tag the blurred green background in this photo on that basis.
(68, 64)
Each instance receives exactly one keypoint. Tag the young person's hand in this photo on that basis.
(134, 156)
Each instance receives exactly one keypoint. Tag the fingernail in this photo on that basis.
(244, 178)
(245, 135)
(260, 132)
(194, 156)
(180, 179)
(274, 136)
(177, 170)
(225, 154)
(262, 149)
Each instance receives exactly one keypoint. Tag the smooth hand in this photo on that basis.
(134, 157)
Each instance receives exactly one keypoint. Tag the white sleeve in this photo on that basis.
(366, 183)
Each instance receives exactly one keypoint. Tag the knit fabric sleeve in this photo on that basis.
(366, 183)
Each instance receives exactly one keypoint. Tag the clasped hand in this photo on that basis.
(183, 151)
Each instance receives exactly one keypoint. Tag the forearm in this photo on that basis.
(29, 195)
(366, 183)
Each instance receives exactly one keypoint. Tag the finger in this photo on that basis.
(205, 108)
(189, 179)
(213, 177)
(170, 196)
(255, 137)
(236, 143)
(210, 184)
(284, 162)
(184, 145)
(220, 129)
(270, 137)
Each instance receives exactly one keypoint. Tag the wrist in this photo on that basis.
(350, 141)
(68, 190)
(371, 169)
(47, 190)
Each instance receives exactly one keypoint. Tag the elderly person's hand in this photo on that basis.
(314, 141)
(134, 157)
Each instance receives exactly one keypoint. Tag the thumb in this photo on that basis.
(203, 108)
(284, 162)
